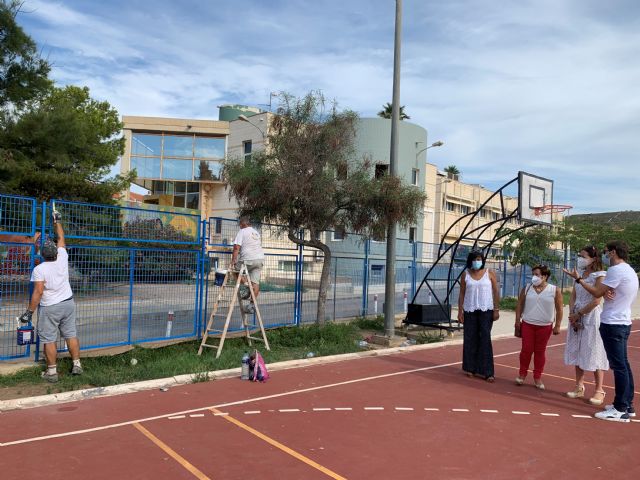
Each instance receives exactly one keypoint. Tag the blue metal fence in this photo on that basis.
(141, 275)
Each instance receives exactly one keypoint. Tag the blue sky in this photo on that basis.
(545, 86)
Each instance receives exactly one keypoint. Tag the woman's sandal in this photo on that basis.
(598, 398)
(490, 379)
(578, 392)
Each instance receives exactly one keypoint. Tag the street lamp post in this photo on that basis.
(439, 143)
(390, 274)
(243, 118)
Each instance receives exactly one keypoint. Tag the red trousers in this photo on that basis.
(534, 342)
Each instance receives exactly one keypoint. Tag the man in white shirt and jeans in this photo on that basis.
(53, 297)
(619, 288)
(248, 250)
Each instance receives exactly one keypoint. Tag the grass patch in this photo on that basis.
(508, 303)
(286, 344)
(365, 323)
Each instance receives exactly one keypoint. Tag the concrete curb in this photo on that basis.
(76, 395)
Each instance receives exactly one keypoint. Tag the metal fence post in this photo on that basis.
(335, 286)
(297, 296)
(43, 226)
(365, 279)
(414, 266)
(504, 269)
(132, 260)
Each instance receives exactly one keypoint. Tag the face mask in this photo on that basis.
(476, 264)
(606, 261)
(536, 280)
(584, 262)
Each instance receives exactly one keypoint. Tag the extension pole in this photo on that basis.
(390, 278)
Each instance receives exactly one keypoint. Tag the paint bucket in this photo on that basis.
(219, 277)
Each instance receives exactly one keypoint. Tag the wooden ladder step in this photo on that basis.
(209, 346)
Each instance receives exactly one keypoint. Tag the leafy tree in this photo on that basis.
(64, 144)
(23, 74)
(310, 178)
(387, 112)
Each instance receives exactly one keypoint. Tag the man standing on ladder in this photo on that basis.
(247, 247)
(57, 310)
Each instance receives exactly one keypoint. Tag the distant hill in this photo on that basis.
(616, 219)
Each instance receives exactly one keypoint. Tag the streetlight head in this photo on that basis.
(243, 118)
(439, 143)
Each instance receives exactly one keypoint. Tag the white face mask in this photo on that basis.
(583, 263)
(536, 280)
(606, 260)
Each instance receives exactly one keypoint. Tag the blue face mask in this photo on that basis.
(606, 261)
(476, 264)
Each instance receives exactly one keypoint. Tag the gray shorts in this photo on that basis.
(61, 316)
(255, 269)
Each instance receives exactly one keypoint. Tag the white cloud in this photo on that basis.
(544, 86)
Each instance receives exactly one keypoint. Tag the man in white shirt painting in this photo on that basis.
(53, 297)
(247, 249)
(619, 288)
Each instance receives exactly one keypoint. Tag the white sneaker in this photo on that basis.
(613, 415)
(630, 411)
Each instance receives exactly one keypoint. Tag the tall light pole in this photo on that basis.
(439, 143)
(390, 277)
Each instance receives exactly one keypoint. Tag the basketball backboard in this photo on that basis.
(534, 193)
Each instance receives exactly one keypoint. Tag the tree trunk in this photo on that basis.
(324, 276)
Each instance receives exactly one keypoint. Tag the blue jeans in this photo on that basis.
(614, 338)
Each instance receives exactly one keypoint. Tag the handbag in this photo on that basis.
(517, 331)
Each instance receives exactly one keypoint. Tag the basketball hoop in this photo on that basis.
(551, 208)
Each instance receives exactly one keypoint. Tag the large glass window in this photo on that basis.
(146, 167)
(146, 145)
(177, 169)
(178, 146)
(208, 170)
(193, 200)
(207, 147)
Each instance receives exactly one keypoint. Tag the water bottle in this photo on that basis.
(167, 333)
(244, 370)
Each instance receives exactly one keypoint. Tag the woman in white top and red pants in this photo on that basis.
(478, 308)
(538, 314)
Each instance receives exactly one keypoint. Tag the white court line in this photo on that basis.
(176, 417)
(516, 412)
(252, 412)
(289, 410)
(459, 409)
(637, 421)
(343, 409)
(404, 409)
(374, 408)
(249, 400)
(220, 414)
(432, 409)
(544, 414)
(581, 416)
(323, 409)
(197, 415)
(489, 411)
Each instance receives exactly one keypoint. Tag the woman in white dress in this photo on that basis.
(584, 347)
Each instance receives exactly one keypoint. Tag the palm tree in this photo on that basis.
(386, 112)
(452, 172)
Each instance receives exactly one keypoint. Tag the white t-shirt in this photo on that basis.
(624, 281)
(249, 240)
(56, 279)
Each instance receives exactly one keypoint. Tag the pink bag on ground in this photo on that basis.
(257, 368)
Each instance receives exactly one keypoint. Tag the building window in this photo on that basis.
(381, 169)
(451, 207)
(209, 147)
(495, 215)
(415, 176)
(218, 226)
(290, 266)
(338, 234)
(178, 146)
(175, 169)
(377, 270)
(483, 213)
(412, 234)
(247, 148)
(146, 167)
(208, 170)
(146, 145)
(465, 209)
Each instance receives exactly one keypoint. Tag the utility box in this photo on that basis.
(431, 314)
